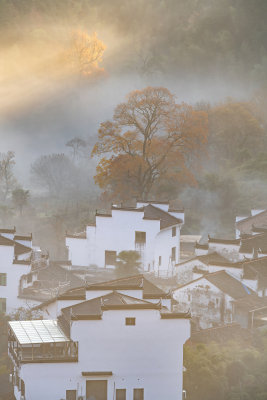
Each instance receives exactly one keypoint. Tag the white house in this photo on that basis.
(114, 347)
(186, 271)
(210, 298)
(15, 261)
(151, 228)
(135, 286)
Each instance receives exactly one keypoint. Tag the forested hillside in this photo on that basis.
(197, 36)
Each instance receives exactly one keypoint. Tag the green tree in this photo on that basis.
(20, 198)
(128, 262)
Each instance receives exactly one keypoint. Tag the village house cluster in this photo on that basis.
(95, 333)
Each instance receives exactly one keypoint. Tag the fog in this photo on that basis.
(44, 126)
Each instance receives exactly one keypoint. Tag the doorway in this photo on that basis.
(96, 390)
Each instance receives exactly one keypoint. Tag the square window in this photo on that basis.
(2, 279)
(129, 321)
(138, 394)
(120, 394)
(2, 305)
(174, 231)
(110, 257)
(140, 237)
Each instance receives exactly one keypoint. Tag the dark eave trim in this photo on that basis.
(114, 287)
(157, 296)
(85, 317)
(175, 315)
(97, 373)
(148, 306)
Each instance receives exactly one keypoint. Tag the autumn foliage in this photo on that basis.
(85, 52)
(150, 140)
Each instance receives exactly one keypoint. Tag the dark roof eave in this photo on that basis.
(174, 315)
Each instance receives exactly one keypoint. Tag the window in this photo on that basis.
(174, 231)
(29, 278)
(159, 260)
(110, 257)
(189, 297)
(2, 279)
(121, 394)
(217, 301)
(71, 394)
(2, 305)
(173, 256)
(138, 394)
(129, 321)
(140, 237)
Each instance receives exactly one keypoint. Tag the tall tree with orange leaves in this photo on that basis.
(85, 52)
(150, 140)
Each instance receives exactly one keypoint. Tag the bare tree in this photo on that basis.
(7, 178)
(77, 146)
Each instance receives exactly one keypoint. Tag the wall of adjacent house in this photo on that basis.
(206, 303)
(164, 242)
(78, 251)
(15, 272)
(10, 290)
(229, 251)
(184, 271)
(137, 356)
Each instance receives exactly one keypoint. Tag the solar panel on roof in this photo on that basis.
(36, 332)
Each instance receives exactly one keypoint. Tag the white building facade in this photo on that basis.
(15, 261)
(153, 230)
(111, 348)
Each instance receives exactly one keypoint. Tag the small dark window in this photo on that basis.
(140, 237)
(121, 394)
(174, 254)
(110, 257)
(159, 260)
(129, 321)
(2, 305)
(174, 231)
(217, 301)
(138, 394)
(29, 278)
(189, 297)
(2, 279)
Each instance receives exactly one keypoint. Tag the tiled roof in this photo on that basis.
(93, 309)
(229, 285)
(258, 241)
(226, 283)
(204, 246)
(6, 242)
(19, 248)
(251, 303)
(136, 282)
(166, 219)
(23, 237)
(224, 241)
(8, 230)
(210, 258)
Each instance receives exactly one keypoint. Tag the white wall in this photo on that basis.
(13, 274)
(117, 233)
(204, 300)
(137, 356)
(78, 251)
(229, 251)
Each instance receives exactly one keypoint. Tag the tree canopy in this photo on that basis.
(150, 139)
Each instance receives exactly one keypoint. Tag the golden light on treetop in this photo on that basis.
(85, 52)
(150, 141)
